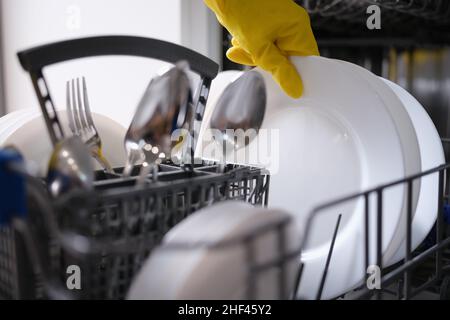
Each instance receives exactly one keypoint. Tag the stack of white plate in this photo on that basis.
(25, 130)
(350, 131)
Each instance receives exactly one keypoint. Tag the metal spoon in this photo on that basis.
(164, 108)
(241, 107)
(70, 168)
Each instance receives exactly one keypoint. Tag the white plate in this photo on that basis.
(408, 136)
(32, 139)
(358, 119)
(11, 118)
(215, 273)
(14, 122)
(432, 155)
(5, 118)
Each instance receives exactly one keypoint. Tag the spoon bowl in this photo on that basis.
(239, 112)
(165, 107)
(70, 168)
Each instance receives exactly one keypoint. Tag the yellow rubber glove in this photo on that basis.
(265, 33)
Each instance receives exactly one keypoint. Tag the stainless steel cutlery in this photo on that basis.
(80, 120)
(165, 107)
(70, 168)
(241, 106)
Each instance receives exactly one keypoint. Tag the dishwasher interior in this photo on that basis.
(411, 47)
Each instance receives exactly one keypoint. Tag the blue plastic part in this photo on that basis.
(447, 213)
(12, 188)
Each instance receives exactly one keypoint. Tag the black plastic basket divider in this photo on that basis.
(110, 232)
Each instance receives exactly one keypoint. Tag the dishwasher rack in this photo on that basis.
(398, 281)
(110, 232)
(435, 249)
(408, 21)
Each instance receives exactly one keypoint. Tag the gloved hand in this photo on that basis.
(265, 33)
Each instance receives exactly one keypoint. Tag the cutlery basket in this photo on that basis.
(109, 233)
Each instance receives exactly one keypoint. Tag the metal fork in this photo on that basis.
(81, 122)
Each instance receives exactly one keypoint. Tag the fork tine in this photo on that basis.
(75, 108)
(69, 109)
(87, 108)
(92, 136)
(80, 106)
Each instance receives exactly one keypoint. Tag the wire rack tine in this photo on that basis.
(327, 264)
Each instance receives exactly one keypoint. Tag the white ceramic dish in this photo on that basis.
(31, 138)
(358, 116)
(212, 273)
(432, 155)
(9, 115)
(5, 118)
(15, 122)
(9, 120)
(408, 136)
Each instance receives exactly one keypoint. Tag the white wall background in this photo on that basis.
(115, 83)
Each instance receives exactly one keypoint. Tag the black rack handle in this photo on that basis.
(35, 59)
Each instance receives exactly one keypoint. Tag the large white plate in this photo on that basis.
(357, 115)
(15, 120)
(408, 136)
(10, 120)
(12, 114)
(216, 273)
(32, 139)
(432, 155)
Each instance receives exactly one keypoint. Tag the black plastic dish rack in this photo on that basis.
(109, 233)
